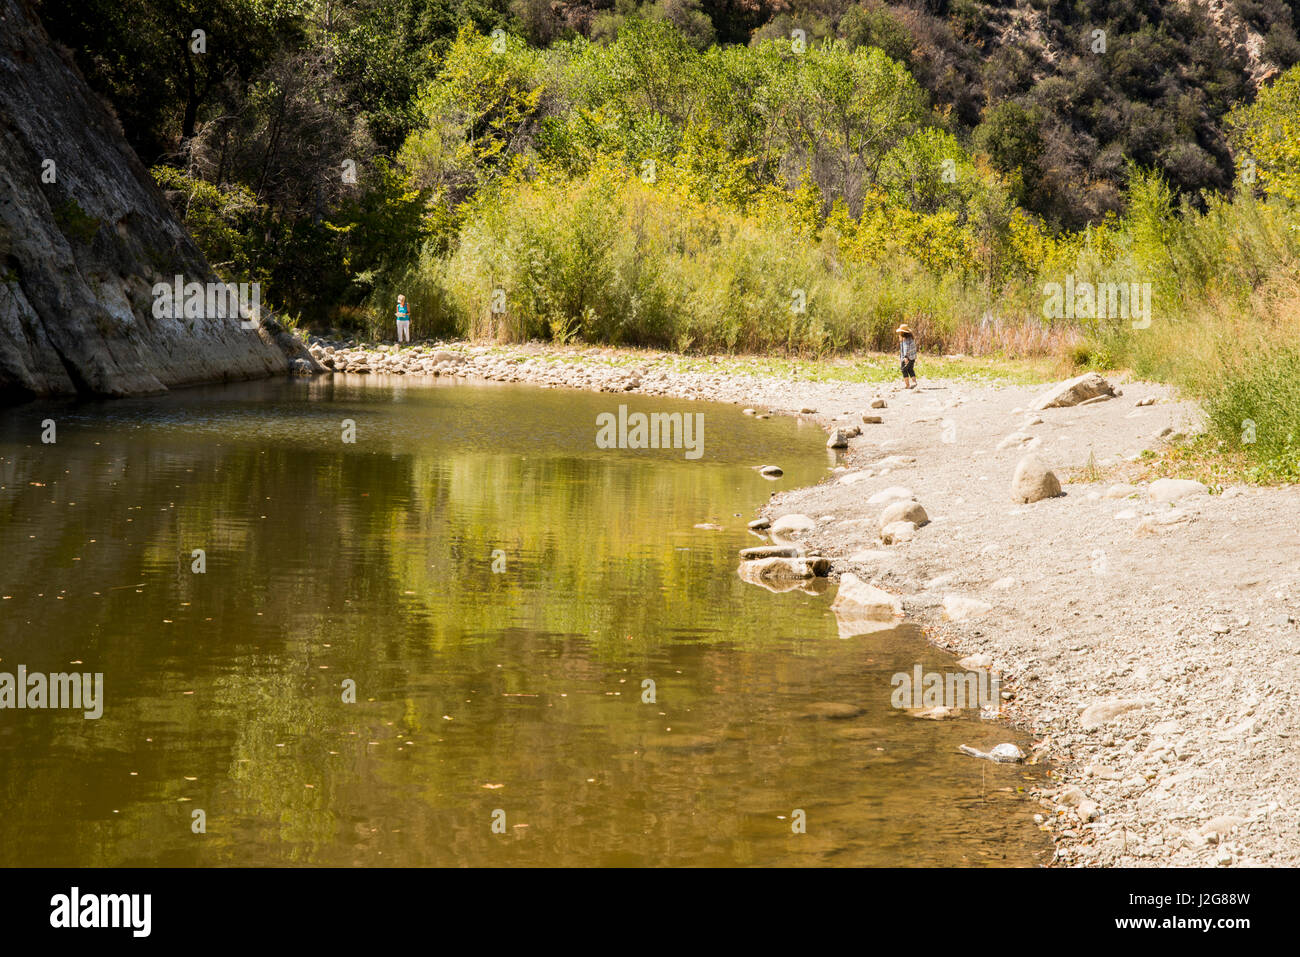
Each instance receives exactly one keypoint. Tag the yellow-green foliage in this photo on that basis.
(218, 219)
(644, 192)
(1267, 133)
(609, 256)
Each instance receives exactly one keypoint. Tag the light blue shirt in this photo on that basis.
(907, 348)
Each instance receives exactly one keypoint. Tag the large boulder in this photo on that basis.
(861, 608)
(1073, 391)
(1033, 481)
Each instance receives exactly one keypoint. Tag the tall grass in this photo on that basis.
(607, 258)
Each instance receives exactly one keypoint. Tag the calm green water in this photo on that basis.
(515, 688)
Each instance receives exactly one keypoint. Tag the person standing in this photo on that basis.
(907, 355)
(403, 320)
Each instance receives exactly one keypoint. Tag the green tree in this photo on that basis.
(1267, 133)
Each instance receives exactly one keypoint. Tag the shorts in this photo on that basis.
(909, 368)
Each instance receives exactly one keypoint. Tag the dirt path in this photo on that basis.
(1181, 617)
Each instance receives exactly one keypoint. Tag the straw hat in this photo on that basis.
(903, 328)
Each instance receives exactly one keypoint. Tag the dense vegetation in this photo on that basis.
(741, 175)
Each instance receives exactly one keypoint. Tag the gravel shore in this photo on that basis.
(1150, 645)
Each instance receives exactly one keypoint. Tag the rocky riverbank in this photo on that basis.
(1144, 630)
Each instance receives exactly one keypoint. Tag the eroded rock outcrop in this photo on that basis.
(84, 237)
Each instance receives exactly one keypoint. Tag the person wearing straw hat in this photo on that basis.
(907, 355)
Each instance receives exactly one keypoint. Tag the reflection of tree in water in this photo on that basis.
(376, 565)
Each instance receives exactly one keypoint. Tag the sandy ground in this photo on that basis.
(1181, 616)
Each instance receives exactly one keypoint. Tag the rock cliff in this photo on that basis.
(84, 237)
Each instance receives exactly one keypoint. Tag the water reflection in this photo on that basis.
(499, 589)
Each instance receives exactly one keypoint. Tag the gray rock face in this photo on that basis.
(79, 256)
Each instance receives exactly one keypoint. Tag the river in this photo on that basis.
(550, 663)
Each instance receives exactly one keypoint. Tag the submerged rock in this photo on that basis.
(783, 569)
(832, 710)
(861, 608)
(685, 742)
(1002, 753)
(937, 713)
(771, 551)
